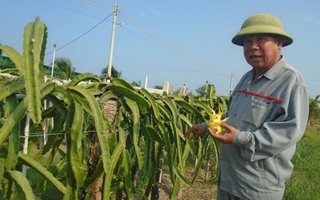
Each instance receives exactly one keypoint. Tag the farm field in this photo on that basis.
(303, 184)
(95, 139)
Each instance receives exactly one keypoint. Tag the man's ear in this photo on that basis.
(280, 44)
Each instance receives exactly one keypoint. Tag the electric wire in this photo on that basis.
(82, 34)
(156, 38)
(166, 44)
(67, 8)
(50, 134)
(153, 35)
(96, 4)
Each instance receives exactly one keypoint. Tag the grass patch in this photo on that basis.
(305, 180)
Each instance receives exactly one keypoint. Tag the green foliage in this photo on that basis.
(34, 42)
(202, 90)
(145, 136)
(136, 83)
(114, 73)
(5, 64)
(65, 69)
(305, 180)
(15, 57)
(314, 111)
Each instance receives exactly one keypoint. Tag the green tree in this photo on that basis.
(201, 91)
(64, 67)
(135, 83)
(314, 110)
(5, 63)
(158, 87)
(114, 73)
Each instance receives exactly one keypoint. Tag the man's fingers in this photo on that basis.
(225, 126)
(197, 136)
(225, 138)
(214, 135)
(198, 129)
(188, 133)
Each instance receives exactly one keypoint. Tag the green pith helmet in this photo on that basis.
(262, 24)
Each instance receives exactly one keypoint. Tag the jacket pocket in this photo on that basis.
(259, 112)
(271, 173)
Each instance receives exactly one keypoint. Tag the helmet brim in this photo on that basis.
(251, 30)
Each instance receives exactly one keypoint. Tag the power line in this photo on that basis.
(151, 34)
(67, 8)
(82, 34)
(166, 44)
(101, 5)
(154, 36)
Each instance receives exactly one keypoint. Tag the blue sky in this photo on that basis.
(183, 42)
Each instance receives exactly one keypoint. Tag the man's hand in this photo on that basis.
(228, 135)
(197, 128)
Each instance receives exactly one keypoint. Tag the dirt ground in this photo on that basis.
(200, 190)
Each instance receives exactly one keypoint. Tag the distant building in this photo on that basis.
(182, 90)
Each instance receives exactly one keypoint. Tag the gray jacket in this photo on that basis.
(270, 115)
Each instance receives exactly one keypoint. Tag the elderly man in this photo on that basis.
(267, 116)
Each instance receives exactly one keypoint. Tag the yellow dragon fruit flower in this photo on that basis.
(214, 122)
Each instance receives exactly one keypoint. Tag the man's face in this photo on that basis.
(262, 51)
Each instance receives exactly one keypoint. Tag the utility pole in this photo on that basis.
(231, 84)
(115, 12)
(146, 83)
(26, 142)
(53, 59)
(46, 126)
(185, 75)
(206, 90)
